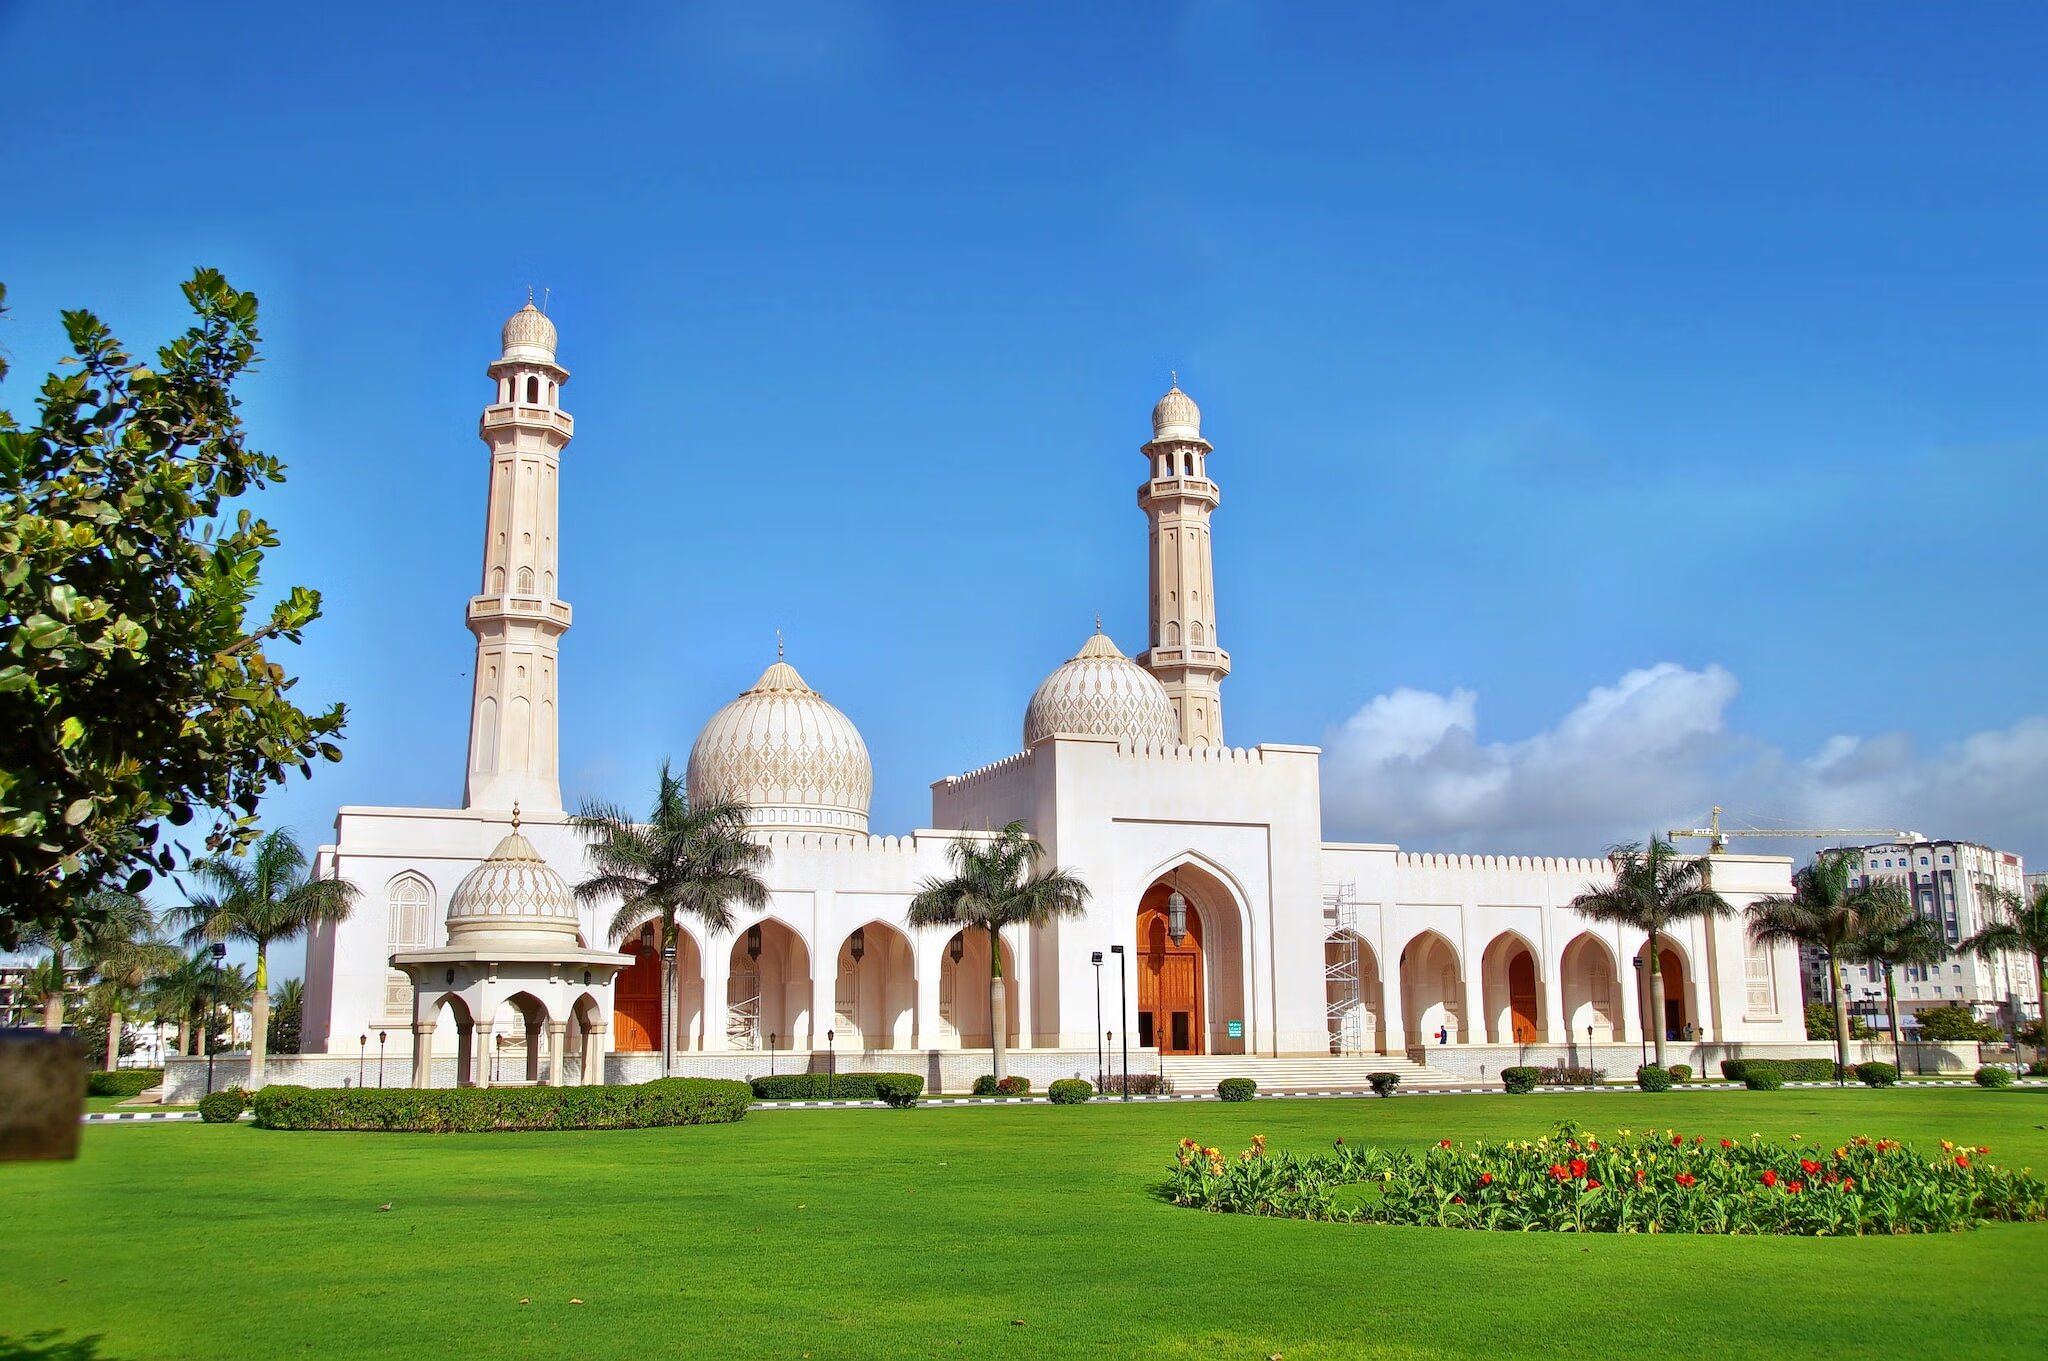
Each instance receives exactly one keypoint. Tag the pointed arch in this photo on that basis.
(1511, 978)
(1590, 985)
(875, 995)
(1433, 988)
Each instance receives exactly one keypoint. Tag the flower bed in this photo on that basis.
(1637, 1183)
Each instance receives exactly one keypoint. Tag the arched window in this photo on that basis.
(533, 391)
(1195, 633)
(409, 926)
(1187, 464)
(1172, 634)
(497, 581)
(526, 581)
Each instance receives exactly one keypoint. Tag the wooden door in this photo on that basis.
(1522, 998)
(636, 1001)
(1170, 1011)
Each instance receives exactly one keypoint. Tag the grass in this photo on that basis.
(1004, 1231)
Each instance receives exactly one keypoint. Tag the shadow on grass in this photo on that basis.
(51, 1345)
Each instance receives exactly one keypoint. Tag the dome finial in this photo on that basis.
(515, 816)
(1173, 374)
(529, 295)
(778, 645)
(1098, 621)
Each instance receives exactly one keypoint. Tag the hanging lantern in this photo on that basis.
(859, 944)
(754, 943)
(1177, 918)
(958, 947)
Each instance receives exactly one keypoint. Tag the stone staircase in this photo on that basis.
(1309, 1073)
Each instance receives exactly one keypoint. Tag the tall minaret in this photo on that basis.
(1177, 498)
(518, 619)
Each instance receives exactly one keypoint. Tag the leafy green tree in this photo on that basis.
(1955, 1023)
(1653, 889)
(178, 994)
(262, 898)
(1892, 934)
(114, 935)
(684, 861)
(1825, 912)
(2018, 925)
(1820, 1023)
(287, 1015)
(996, 882)
(134, 689)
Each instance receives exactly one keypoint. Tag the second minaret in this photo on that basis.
(1177, 499)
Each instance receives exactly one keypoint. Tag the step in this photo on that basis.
(1304, 1073)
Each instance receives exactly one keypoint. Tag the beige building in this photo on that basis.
(1949, 883)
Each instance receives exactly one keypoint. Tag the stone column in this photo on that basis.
(558, 1034)
(717, 984)
(925, 1033)
(1473, 1023)
(1393, 1012)
(422, 1054)
(1551, 985)
(824, 1002)
(1023, 982)
(593, 1056)
(1634, 983)
(465, 1053)
(480, 1056)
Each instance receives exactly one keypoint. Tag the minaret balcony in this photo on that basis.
(1194, 493)
(532, 608)
(507, 415)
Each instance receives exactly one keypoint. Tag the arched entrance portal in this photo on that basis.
(1352, 994)
(768, 992)
(1592, 992)
(1432, 991)
(636, 997)
(963, 993)
(1513, 1001)
(1678, 1016)
(1170, 1013)
(875, 994)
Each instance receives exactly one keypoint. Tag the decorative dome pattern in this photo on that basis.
(1099, 692)
(1176, 416)
(530, 335)
(512, 893)
(787, 754)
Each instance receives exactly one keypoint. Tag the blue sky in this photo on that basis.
(1617, 409)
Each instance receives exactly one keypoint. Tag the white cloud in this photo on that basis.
(1654, 750)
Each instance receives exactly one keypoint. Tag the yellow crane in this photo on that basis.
(1717, 836)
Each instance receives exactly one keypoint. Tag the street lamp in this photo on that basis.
(1177, 914)
(1096, 960)
(1645, 1027)
(1124, 986)
(382, 1036)
(771, 1053)
(857, 946)
(831, 1064)
(362, 1058)
(668, 1007)
(220, 952)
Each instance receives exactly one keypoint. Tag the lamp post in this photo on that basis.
(771, 1053)
(1645, 1027)
(668, 1007)
(362, 1058)
(857, 946)
(754, 960)
(831, 1064)
(1124, 987)
(1589, 1046)
(1096, 960)
(382, 1036)
(220, 952)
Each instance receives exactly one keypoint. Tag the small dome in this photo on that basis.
(1176, 416)
(783, 751)
(529, 335)
(513, 894)
(1099, 692)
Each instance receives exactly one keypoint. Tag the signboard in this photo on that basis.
(1236, 1030)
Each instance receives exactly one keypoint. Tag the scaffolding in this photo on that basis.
(743, 1018)
(1343, 972)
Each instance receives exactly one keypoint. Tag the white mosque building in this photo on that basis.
(1243, 933)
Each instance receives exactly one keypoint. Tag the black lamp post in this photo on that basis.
(668, 1007)
(1124, 986)
(382, 1036)
(1096, 960)
(1645, 1027)
(771, 1053)
(220, 952)
(831, 1064)
(1589, 1046)
(362, 1058)
(857, 946)
(754, 958)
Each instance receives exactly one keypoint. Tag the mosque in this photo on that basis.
(1223, 933)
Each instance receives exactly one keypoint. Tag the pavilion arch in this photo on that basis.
(1354, 994)
(875, 991)
(586, 1038)
(1189, 993)
(636, 997)
(1681, 1001)
(963, 992)
(1432, 989)
(768, 989)
(1511, 975)
(514, 1039)
(429, 1036)
(1590, 985)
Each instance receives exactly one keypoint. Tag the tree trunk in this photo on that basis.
(184, 1034)
(113, 1040)
(1891, 1006)
(53, 1002)
(201, 1025)
(1841, 1015)
(998, 1000)
(1655, 1020)
(259, 1017)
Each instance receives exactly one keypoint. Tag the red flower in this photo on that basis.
(1592, 1146)
(1982, 1149)
(1558, 1172)
(1486, 1178)
(1794, 1188)
(1578, 1167)
(1678, 1141)
(1808, 1166)
(1639, 1176)
(1457, 1200)
(1848, 1183)
(1962, 1160)
(1443, 1143)
(1685, 1179)
(1592, 1183)
(1770, 1178)
(1727, 1143)
(1340, 1141)
(1698, 1139)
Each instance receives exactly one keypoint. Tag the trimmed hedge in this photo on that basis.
(1564, 1075)
(843, 1086)
(223, 1107)
(986, 1085)
(899, 1089)
(1680, 1072)
(1383, 1084)
(1520, 1081)
(1651, 1078)
(1142, 1084)
(123, 1082)
(1788, 1070)
(1069, 1091)
(1758, 1078)
(1989, 1076)
(1237, 1089)
(1876, 1074)
(469, 1110)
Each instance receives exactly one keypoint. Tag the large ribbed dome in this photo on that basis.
(1099, 692)
(792, 758)
(529, 335)
(513, 894)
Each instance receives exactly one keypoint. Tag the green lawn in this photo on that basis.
(932, 1232)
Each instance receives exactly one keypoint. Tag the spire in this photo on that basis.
(515, 817)
(778, 645)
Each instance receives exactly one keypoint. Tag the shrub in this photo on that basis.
(1788, 1070)
(842, 1086)
(223, 1107)
(1237, 1089)
(1383, 1084)
(1642, 1183)
(1758, 1078)
(1520, 1080)
(1680, 1072)
(1014, 1086)
(1069, 1091)
(465, 1110)
(123, 1082)
(1564, 1075)
(1992, 1076)
(1820, 1023)
(1142, 1084)
(1651, 1078)
(985, 1085)
(899, 1089)
(2038, 1068)
(1876, 1074)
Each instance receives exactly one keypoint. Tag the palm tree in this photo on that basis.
(2021, 927)
(682, 862)
(287, 1012)
(1826, 912)
(1651, 890)
(177, 994)
(1891, 933)
(262, 899)
(122, 949)
(112, 924)
(996, 883)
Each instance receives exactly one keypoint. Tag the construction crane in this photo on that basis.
(1717, 836)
